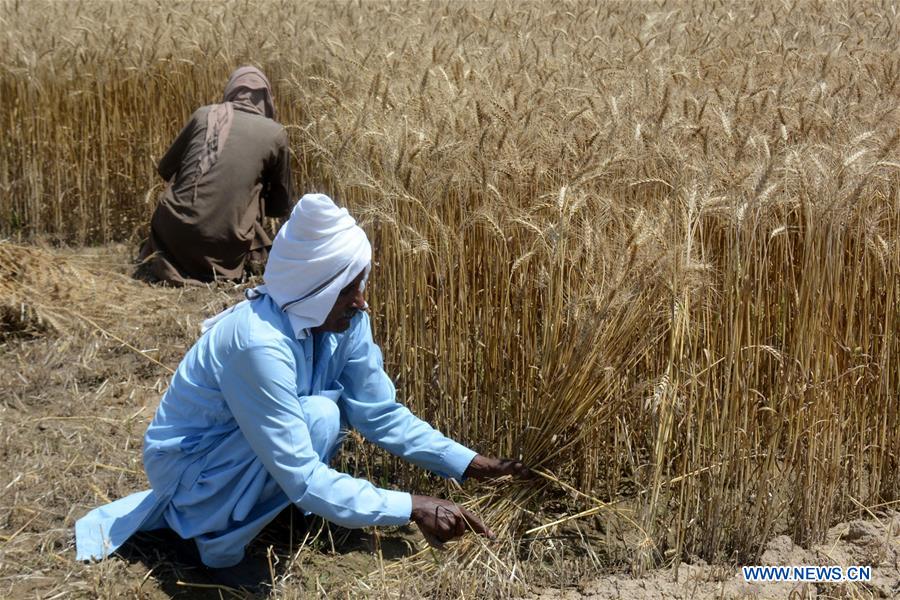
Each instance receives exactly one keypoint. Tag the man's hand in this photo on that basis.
(483, 467)
(441, 520)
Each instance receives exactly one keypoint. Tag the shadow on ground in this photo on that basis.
(331, 551)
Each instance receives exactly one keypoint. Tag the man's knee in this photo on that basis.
(323, 419)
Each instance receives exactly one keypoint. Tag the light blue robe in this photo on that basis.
(248, 426)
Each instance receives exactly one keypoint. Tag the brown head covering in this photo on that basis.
(247, 90)
(240, 87)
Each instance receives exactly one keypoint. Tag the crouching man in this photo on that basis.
(254, 412)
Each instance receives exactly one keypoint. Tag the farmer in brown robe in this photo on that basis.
(227, 170)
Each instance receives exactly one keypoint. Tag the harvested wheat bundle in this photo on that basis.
(46, 293)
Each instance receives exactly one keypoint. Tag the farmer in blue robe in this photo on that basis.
(255, 411)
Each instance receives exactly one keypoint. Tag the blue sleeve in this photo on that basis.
(370, 404)
(260, 388)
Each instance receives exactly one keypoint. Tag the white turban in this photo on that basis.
(317, 253)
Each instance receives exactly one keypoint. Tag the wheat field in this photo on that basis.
(653, 248)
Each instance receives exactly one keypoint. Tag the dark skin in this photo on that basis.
(440, 520)
(350, 300)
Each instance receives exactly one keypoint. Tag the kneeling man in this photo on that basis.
(255, 410)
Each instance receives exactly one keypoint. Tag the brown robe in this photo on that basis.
(202, 234)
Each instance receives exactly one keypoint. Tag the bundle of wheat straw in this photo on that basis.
(43, 291)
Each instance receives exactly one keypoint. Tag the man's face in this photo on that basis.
(349, 301)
